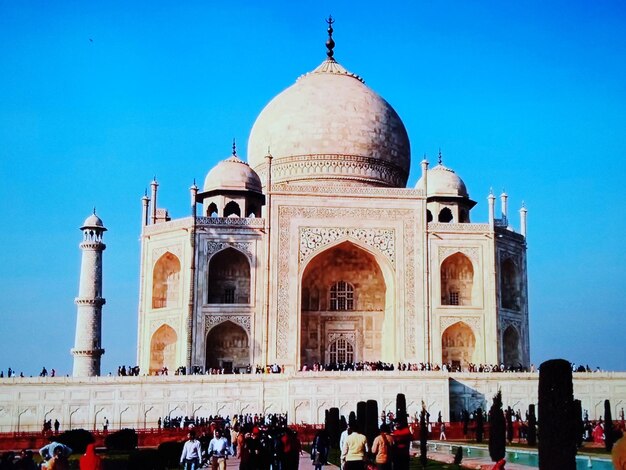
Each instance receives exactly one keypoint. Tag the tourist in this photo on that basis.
(402, 446)
(48, 452)
(90, 461)
(58, 461)
(382, 448)
(354, 449)
(218, 450)
(26, 461)
(190, 457)
(320, 449)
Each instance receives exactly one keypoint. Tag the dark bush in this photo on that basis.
(609, 431)
(531, 436)
(169, 452)
(361, 411)
(401, 416)
(75, 439)
(458, 455)
(371, 421)
(333, 427)
(424, 418)
(149, 459)
(557, 431)
(578, 423)
(480, 425)
(497, 429)
(124, 439)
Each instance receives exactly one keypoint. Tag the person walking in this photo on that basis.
(354, 449)
(218, 450)
(382, 447)
(190, 457)
(320, 449)
(90, 461)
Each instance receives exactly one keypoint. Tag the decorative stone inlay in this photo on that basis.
(176, 250)
(212, 246)
(472, 228)
(472, 252)
(284, 303)
(350, 336)
(335, 167)
(88, 352)
(98, 246)
(213, 320)
(230, 222)
(313, 238)
(506, 322)
(345, 189)
(447, 321)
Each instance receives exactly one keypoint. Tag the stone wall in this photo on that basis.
(140, 401)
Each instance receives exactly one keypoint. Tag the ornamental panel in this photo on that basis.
(314, 238)
(472, 252)
(213, 320)
(446, 321)
(212, 246)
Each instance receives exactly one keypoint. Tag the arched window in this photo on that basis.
(457, 345)
(166, 281)
(341, 351)
(509, 285)
(163, 349)
(229, 278)
(232, 208)
(429, 216)
(342, 296)
(445, 215)
(457, 280)
(212, 210)
(510, 340)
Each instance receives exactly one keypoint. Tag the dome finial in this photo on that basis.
(234, 148)
(330, 44)
(94, 210)
(440, 158)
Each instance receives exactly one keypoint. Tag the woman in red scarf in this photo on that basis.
(90, 461)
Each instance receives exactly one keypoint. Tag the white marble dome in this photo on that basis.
(329, 126)
(234, 174)
(443, 181)
(93, 221)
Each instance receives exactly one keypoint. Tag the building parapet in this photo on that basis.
(464, 228)
(355, 191)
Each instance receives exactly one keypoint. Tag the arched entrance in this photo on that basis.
(509, 285)
(163, 349)
(343, 304)
(166, 281)
(457, 345)
(511, 351)
(227, 347)
(229, 278)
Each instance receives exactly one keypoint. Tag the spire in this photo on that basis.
(234, 148)
(440, 158)
(330, 44)
(94, 210)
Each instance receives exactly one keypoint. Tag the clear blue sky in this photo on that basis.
(97, 97)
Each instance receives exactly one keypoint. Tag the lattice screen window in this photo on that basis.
(342, 296)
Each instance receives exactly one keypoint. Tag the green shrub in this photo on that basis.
(169, 452)
(497, 429)
(148, 459)
(124, 439)
(75, 439)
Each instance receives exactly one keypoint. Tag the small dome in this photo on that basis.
(93, 221)
(330, 126)
(442, 181)
(234, 174)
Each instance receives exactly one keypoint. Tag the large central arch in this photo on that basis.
(346, 300)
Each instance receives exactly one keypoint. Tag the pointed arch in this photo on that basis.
(445, 215)
(228, 347)
(229, 278)
(212, 210)
(511, 347)
(231, 209)
(457, 280)
(458, 344)
(166, 281)
(509, 285)
(163, 349)
(348, 291)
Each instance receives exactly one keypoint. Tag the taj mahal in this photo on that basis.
(312, 250)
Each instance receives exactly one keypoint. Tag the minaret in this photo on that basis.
(87, 344)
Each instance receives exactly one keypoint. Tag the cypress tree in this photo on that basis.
(531, 434)
(480, 425)
(424, 415)
(401, 409)
(361, 411)
(371, 421)
(509, 425)
(557, 433)
(332, 426)
(578, 423)
(497, 429)
(609, 432)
